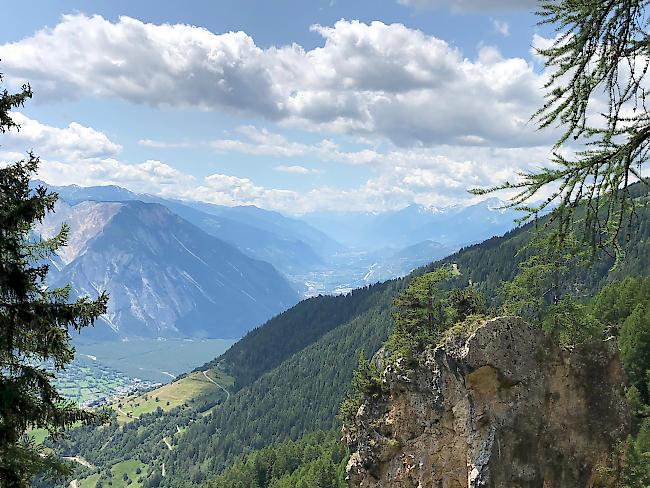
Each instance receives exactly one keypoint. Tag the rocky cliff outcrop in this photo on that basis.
(504, 407)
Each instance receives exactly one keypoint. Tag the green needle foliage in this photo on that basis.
(623, 307)
(419, 315)
(35, 321)
(366, 383)
(600, 56)
(315, 461)
(546, 280)
(426, 309)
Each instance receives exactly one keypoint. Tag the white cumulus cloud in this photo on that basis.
(372, 79)
(437, 175)
(73, 141)
(259, 142)
(295, 169)
(162, 144)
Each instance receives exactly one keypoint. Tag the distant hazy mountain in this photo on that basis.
(377, 246)
(292, 246)
(284, 251)
(165, 276)
(452, 227)
(423, 252)
(274, 222)
(75, 194)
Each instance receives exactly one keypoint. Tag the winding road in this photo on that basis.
(205, 373)
(126, 414)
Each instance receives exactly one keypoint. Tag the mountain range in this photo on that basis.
(287, 378)
(193, 269)
(454, 226)
(288, 244)
(165, 276)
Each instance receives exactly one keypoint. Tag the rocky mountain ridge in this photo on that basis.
(288, 244)
(505, 407)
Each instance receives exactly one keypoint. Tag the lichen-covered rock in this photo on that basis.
(505, 407)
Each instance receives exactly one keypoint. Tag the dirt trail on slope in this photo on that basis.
(126, 414)
(169, 446)
(205, 373)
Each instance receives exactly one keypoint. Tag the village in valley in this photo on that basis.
(91, 383)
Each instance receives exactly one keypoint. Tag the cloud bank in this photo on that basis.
(429, 176)
(372, 79)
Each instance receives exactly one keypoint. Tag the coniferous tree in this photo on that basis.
(635, 348)
(35, 321)
(420, 314)
(600, 56)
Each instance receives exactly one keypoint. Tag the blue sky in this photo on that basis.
(289, 105)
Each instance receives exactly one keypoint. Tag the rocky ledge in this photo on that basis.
(504, 407)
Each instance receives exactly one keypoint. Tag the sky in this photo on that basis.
(296, 106)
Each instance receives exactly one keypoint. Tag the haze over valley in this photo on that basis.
(188, 273)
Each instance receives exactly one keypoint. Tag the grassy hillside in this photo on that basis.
(192, 391)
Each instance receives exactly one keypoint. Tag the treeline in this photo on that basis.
(265, 347)
(316, 461)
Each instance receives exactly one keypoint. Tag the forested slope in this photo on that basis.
(316, 461)
(294, 371)
(301, 395)
(267, 346)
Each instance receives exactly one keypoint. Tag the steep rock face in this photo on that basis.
(505, 407)
(85, 221)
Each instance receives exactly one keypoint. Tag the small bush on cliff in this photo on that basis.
(420, 314)
(545, 292)
(465, 303)
(571, 322)
(465, 328)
